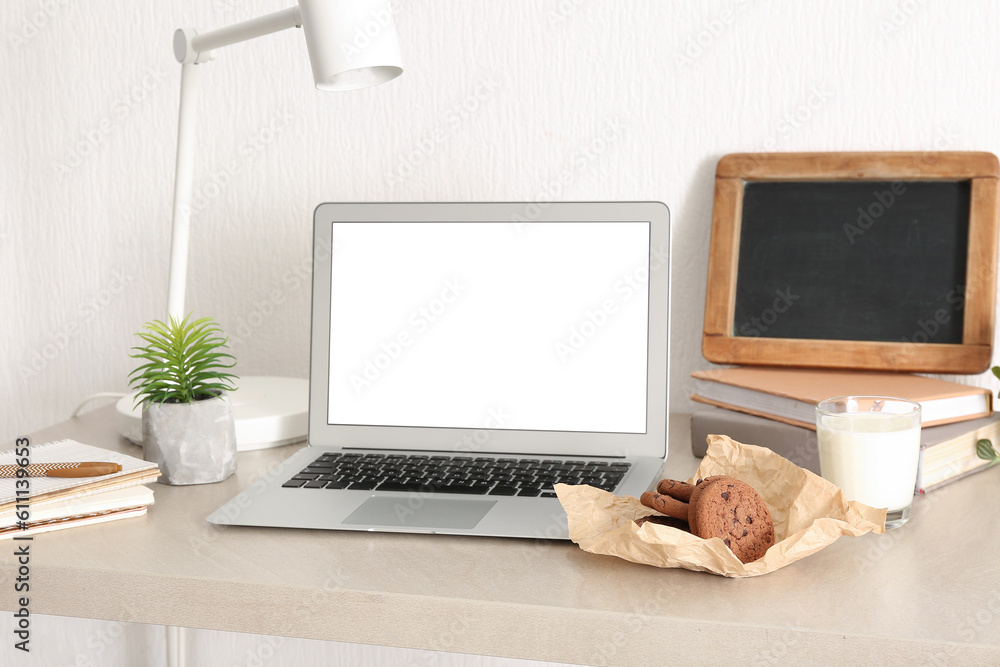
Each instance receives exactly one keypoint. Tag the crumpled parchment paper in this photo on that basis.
(809, 514)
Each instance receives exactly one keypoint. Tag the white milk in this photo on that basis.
(871, 456)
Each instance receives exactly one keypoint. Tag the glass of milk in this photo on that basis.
(869, 446)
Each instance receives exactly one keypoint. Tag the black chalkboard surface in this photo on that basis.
(873, 261)
(863, 261)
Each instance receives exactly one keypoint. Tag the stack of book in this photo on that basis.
(52, 503)
(775, 408)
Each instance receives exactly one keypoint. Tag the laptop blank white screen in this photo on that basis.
(460, 324)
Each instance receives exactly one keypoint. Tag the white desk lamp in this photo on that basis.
(352, 44)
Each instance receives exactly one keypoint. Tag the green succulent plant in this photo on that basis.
(184, 362)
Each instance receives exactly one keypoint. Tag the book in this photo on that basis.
(44, 490)
(790, 395)
(951, 454)
(795, 443)
(947, 452)
(79, 511)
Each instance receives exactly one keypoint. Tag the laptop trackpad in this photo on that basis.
(416, 512)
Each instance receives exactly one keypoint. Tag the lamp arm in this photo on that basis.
(192, 48)
(183, 185)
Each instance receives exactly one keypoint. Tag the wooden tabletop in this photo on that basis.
(926, 593)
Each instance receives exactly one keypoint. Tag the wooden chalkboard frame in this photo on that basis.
(973, 355)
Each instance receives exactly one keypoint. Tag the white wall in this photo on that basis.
(657, 90)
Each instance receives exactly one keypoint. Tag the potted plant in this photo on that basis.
(187, 417)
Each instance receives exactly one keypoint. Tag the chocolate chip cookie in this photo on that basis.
(719, 506)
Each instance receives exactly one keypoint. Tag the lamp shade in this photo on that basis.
(352, 43)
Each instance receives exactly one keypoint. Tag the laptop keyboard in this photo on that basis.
(477, 475)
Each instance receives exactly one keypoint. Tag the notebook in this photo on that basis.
(467, 357)
(45, 490)
(81, 511)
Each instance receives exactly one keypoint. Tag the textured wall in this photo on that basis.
(498, 100)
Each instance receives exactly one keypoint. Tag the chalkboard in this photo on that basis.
(883, 261)
(879, 260)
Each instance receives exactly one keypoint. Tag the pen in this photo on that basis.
(84, 469)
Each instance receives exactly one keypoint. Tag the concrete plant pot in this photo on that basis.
(192, 443)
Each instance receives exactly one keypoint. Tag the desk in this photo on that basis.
(926, 593)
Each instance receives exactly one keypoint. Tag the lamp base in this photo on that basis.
(269, 412)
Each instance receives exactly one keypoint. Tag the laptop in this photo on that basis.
(468, 357)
